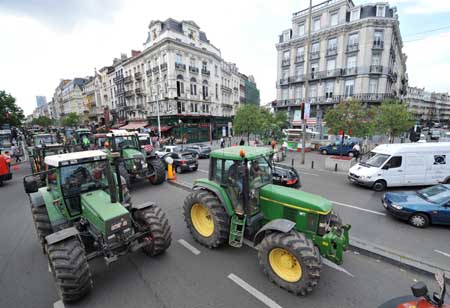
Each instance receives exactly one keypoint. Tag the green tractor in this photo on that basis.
(83, 138)
(137, 163)
(80, 214)
(40, 146)
(291, 229)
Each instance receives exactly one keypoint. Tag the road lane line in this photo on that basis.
(442, 253)
(189, 247)
(204, 171)
(336, 267)
(301, 172)
(260, 296)
(58, 304)
(359, 208)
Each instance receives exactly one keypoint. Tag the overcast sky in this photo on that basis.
(43, 41)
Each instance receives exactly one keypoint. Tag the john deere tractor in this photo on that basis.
(137, 163)
(80, 214)
(292, 230)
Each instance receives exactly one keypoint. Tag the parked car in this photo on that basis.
(420, 208)
(182, 161)
(168, 149)
(404, 164)
(337, 148)
(285, 175)
(200, 150)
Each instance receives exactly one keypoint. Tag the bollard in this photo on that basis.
(171, 175)
(312, 164)
(292, 162)
(335, 167)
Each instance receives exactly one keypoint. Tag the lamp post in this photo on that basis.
(157, 112)
(180, 123)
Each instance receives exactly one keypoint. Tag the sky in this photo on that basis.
(44, 41)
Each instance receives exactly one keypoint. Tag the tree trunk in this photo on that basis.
(248, 138)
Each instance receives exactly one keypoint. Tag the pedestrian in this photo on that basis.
(242, 142)
(222, 143)
(15, 152)
(273, 144)
(356, 150)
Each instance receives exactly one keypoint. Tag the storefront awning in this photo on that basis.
(164, 128)
(134, 125)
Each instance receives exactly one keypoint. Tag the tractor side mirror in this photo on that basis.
(419, 289)
(30, 185)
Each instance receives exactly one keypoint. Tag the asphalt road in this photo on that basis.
(187, 275)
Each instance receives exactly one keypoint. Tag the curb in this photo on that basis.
(377, 251)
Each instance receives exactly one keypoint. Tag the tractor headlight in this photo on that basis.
(116, 226)
(134, 166)
(396, 206)
(144, 165)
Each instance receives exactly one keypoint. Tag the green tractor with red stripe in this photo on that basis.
(292, 229)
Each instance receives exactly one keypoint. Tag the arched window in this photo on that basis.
(193, 86)
(205, 89)
(217, 91)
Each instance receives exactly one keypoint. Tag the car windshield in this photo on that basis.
(377, 160)
(81, 178)
(435, 194)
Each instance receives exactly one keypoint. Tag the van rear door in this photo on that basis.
(415, 170)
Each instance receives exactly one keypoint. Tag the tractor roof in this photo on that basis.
(119, 133)
(74, 158)
(233, 153)
(42, 135)
(83, 130)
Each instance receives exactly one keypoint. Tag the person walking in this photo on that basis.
(356, 150)
(15, 152)
(222, 143)
(242, 142)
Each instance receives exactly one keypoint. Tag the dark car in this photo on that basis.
(182, 161)
(336, 149)
(420, 208)
(285, 175)
(200, 150)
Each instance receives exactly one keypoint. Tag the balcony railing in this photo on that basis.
(329, 98)
(378, 45)
(155, 69)
(332, 51)
(129, 93)
(285, 62)
(118, 79)
(128, 79)
(350, 71)
(164, 67)
(138, 91)
(206, 72)
(332, 73)
(300, 58)
(193, 69)
(352, 47)
(376, 69)
(180, 66)
(148, 72)
(297, 78)
(314, 55)
(138, 75)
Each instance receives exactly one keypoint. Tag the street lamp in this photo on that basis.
(157, 112)
(180, 123)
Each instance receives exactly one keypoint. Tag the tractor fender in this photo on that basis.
(280, 225)
(224, 200)
(143, 205)
(36, 199)
(61, 235)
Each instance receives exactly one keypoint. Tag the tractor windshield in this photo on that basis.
(5, 140)
(44, 139)
(260, 173)
(126, 142)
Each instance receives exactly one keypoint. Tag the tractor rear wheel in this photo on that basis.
(206, 218)
(70, 269)
(291, 261)
(157, 167)
(156, 220)
(41, 223)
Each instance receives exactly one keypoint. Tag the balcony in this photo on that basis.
(376, 69)
(378, 45)
(206, 72)
(332, 73)
(148, 72)
(164, 67)
(297, 78)
(285, 62)
(300, 58)
(331, 51)
(287, 103)
(129, 93)
(314, 55)
(284, 81)
(138, 75)
(352, 47)
(138, 91)
(118, 79)
(315, 75)
(193, 69)
(128, 79)
(155, 69)
(180, 66)
(350, 71)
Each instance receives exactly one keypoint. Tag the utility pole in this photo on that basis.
(157, 110)
(308, 62)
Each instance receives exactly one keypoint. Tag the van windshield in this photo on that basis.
(377, 160)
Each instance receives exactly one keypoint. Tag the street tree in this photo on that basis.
(248, 120)
(392, 118)
(10, 113)
(350, 116)
(71, 120)
(42, 121)
(272, 125)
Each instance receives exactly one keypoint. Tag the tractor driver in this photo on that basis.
(236, 179)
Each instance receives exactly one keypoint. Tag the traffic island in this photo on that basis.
(339, 163)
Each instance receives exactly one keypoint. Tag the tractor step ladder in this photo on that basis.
(237, 229)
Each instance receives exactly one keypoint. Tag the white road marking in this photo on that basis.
(189, 247)
(204, 171)
(359, 208)
(301, 172)
(58, 304)
(260, 296)
(442, 253)
(336, 267)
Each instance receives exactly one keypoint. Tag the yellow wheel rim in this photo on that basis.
(285, 265)
(202, 220)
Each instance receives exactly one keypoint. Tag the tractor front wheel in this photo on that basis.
(206, 218)
(160, 234)
(158, 170)
(291, 261)
(41, 223)
(70, 269)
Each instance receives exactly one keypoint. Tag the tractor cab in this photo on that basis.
(5, 139)
(83, 137)
(41, 139)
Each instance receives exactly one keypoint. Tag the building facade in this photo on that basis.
(355, 52)
(428, 107)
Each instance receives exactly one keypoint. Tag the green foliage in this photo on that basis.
(71, 120)
(42, 121)
(248, 120)
(350, 116)
(8, 104)
(392, 118)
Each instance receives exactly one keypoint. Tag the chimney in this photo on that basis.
(123, 56)
(135, 53)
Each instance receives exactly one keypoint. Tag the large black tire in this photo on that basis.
(41, 223)
(123, 172)
(156, 221)
(379, 185)
(70, 269)
(159, 169)
(306, 255)
(216, 212)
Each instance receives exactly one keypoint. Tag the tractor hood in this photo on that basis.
(296, 199)
(132, 153)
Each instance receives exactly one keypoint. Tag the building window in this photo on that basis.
(301, 29)
(286, 55)
(299, 70)
(195, 107)
(329, 89)
(332, 44)
(298, 92)
(204, 65)
(334, 19)
(205, 89)
(216, 72)
(300, 51)
(373, 86)
(377, 37)
(192, 62)
(285, 74)
(286, 35)
(217, 91)
(315, 48)
(284, 94)
(193, 86)
(164, 58)
(353, 39)
(376, 59)
(180, 85)
(313, 92)
(351, 62)
(179, 59)
(381, 9)
(354, 14)
(331, 65)
(349, 87)
(316, 24)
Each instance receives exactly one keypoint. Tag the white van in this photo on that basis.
(407, 164)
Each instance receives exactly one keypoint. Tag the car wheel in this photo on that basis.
(419, 220)
(324, 152)
(178, 169)
(379, 185)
